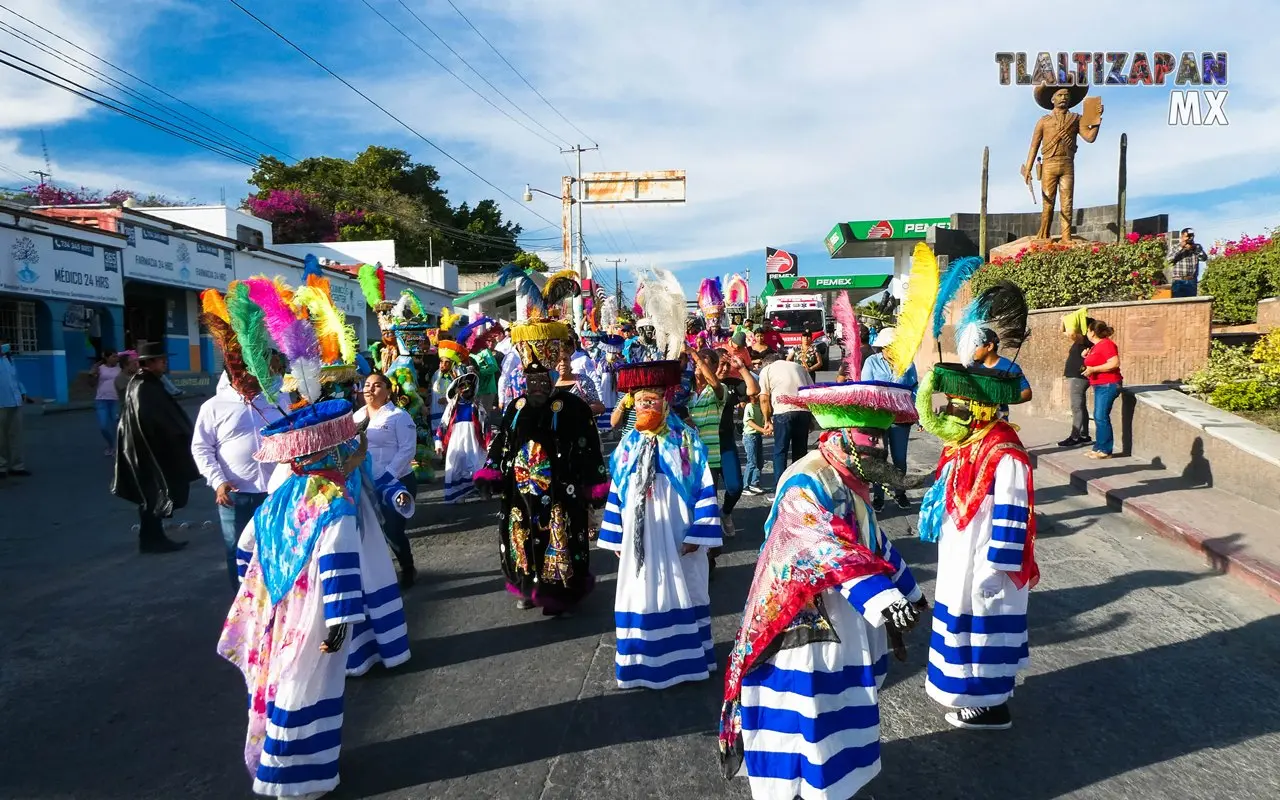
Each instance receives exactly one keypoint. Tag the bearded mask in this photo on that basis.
(863, 453)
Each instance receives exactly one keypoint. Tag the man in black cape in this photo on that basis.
(154, 467)
(546, 463)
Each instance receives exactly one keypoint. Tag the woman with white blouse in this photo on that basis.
(393, 441)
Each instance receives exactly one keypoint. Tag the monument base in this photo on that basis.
(1019, 245)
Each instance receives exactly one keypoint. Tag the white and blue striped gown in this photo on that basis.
(979, 643)
(465, 455)
(810, 714)
(663, 612)
(383, 635)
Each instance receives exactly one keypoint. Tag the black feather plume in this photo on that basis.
(1004, 309)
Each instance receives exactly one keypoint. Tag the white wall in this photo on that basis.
(383, 251)
(218, 220)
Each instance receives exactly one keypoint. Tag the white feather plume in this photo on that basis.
(664, 303)
(306, 375)
(608, 314)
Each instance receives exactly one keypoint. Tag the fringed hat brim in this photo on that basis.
(539, 332)
(290, 444)
(859, 404)
(647, 375)
(979, 384)
(453, 351)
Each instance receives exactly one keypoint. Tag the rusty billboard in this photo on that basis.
(660, 186)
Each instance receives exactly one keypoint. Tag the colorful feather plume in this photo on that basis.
(917, 309)
(710, 295)
(561, 287)
(338, 342)
(958, 274)
(313, 276)
(526, 289)
(225, 339)
(295, 338)
(249, 322)
(409, 306)
(1002, 309)
(211, 302)
(608, 313)
(448, 319)
(736, 291)
(373, 284)
(472, 331)
(842, 310)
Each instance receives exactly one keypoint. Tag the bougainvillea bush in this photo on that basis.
(297, 216)
(1054, 275)
(1239, 274)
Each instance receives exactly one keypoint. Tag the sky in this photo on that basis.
(786, 122)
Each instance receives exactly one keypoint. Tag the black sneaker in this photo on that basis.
(162, 545)
(992, 718)
(407, 576)
(1070, 441)
(902, 500)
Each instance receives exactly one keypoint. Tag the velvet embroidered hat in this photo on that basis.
(453, 351)
(858, 404)
(311, 429)
(658, 375)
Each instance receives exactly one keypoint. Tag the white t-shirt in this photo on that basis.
(107, 382)
(783, 378)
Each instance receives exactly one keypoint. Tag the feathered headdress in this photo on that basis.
(471, 332)
(842, 310)
(408, 307)
(217, 319)
(958, 274)
(666, 309)
(736, 295)
(1002, 310)
(711, 297)
(313, 276)
(248, 321)
(373, 284)
(448, 319)
(295, 337)
(608, 313)
(916, 312)
(338, 342)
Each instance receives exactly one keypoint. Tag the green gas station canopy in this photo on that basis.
(879, 238)
(859, 287)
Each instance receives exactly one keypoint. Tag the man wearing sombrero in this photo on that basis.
(1055, 137)
(981, 512)
(829, 598)
(545, 462)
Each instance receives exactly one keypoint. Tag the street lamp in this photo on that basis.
(529, 190)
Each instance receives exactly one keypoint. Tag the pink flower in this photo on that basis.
(1096, 249)
(1133, 237)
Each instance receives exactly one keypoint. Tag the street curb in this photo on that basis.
(1262, 575)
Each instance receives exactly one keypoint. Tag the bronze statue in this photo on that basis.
(1055, 138)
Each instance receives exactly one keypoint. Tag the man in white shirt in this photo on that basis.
(789, 424)
(226, 437)
(12, 395)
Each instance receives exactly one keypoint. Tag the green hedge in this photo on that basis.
(1054, 276)
(1241, 378)
(1239, 280)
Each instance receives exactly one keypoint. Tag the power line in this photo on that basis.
(124, 71)
(518, 73)
(456, 76)
(374, 103)
(513, 103)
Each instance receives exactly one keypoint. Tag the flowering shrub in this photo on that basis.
(1241, 378)
(1054, 275)
(296, 216)
(1239, 274)
(46, 194)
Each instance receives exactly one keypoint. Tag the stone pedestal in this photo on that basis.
(1018, 245)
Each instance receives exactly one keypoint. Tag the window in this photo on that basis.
(798, 320)
(247, 235)
(18, 325)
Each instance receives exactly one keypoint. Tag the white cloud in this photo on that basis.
(787, 121)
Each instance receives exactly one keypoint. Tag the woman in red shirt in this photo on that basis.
(1102, 368)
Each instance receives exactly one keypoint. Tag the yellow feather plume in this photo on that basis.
(212, 302)
(337, 339)
(916, 311)
(448, 319)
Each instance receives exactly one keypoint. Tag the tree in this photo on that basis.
(298, 217)
(48, 194)
(530, 261)
(391, 197)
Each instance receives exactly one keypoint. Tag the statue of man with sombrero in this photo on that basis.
(1055, 139)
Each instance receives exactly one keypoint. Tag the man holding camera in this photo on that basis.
(1186, 265)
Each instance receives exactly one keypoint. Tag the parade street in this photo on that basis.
(1151, 675)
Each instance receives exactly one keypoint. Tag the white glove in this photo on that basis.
(992, 584)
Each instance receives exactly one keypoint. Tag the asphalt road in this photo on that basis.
(1152, 676)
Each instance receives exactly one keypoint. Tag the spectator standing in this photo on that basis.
(1102, 368)
(988, 355)
(1186, 265)
(12, 396)
(106, 401)
(876, 368)
(154, 468)
(789, 424)
(1074, 325)
(393, 442)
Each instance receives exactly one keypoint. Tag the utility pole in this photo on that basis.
(616, 282)
(580, 261)
(41, 175)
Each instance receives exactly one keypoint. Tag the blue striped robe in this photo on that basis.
(662, 612)
(810, 714)
(296, 707)
(979, 640)
(383, 635)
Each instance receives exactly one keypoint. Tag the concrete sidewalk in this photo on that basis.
(1232, 533)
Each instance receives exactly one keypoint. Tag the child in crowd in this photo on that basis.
(753, 431)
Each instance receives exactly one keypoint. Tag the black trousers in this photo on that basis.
(150, 527)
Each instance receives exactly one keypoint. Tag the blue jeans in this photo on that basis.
(753, 443)
(243, 506)
(790, 437)
(1187, 288)
(897, 437)
(107, 411)
(1104, 397)
(393, 526)
(731, 477)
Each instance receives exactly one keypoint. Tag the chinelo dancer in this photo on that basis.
(830, 599)
(661, 519)
(460, 438)
(981, 513)
(545, 462)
